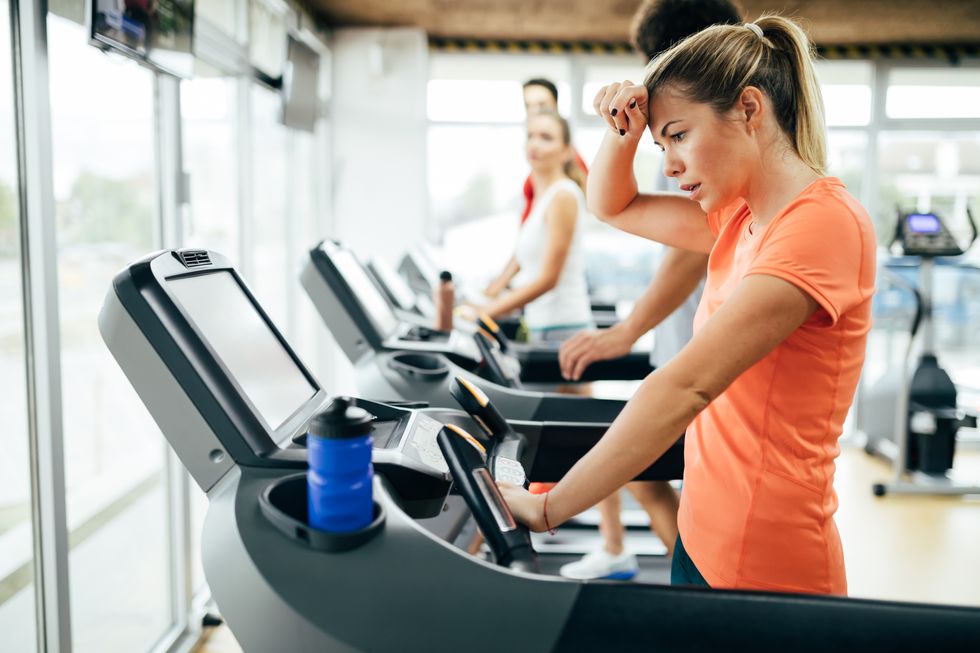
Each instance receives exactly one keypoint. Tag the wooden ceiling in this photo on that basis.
(829, 22)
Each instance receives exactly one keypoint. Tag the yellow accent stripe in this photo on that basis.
(480, 396)
(952, 52)
(486, 334)
(448, 44)
(466, 436)
(490, 322)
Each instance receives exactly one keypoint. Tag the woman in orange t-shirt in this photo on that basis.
(763, 387)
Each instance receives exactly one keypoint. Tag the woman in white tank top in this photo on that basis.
(547, 270)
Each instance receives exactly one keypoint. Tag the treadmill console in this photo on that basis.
(365, 321)
(225, 387)
(925, 234)
(362, 291)
(394, 287)
(408, 442)
(219, 379)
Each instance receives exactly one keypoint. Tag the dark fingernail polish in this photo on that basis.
(613, 112)
(633, 104)
(622, 132)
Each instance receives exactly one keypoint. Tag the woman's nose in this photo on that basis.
(672, 165)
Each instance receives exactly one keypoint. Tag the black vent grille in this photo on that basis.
(193, 258)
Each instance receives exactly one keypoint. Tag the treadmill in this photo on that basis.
(233, 399)
(349, 304)
(389, 366)
(333, 277)
(399, 293)
(420, 274)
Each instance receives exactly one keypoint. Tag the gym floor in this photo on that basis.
(908, 548)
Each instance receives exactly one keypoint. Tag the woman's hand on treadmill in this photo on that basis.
(527, 508)
(591, 345)
(467, 311)
(493, 290)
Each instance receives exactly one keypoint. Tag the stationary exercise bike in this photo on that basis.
(926, 416)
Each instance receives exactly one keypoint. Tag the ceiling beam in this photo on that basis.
(829, 22)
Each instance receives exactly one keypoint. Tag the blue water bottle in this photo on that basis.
(339, 478)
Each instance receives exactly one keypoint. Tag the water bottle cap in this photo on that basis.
(340, 420)
(445, 275)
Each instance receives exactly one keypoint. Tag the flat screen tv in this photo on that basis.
(299, 85)
(159, 33)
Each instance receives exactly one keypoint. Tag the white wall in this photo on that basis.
(379, 203)
(378, 116)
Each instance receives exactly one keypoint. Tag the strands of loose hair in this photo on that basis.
(715, 65)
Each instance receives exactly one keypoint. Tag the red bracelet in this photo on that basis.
(551, 531)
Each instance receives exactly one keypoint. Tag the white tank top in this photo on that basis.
(567, 304)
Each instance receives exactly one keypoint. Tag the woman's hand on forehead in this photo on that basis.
(625, 108)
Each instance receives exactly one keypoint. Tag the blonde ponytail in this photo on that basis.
(574, 172)
(773, 54)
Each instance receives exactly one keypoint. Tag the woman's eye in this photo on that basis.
(678, 137)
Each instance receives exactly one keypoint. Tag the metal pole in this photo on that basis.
(40, 279)
(925, 292)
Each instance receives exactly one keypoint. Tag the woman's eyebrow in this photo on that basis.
(663, 132)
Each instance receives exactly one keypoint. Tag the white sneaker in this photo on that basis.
(602, 564)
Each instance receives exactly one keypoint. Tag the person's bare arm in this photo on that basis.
(560, 219)
(498, 285)
(669, 218)
(678, 276)
(762, 312)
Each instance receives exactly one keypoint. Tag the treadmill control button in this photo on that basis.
(508, 470)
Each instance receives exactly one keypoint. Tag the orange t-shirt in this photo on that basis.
(758, 499)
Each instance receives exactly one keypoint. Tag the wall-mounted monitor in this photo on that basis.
(159, 33)
(300, 78)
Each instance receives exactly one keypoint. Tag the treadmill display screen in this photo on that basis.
(924, 223)
(373, 302)
(397, 286)
(243, 341)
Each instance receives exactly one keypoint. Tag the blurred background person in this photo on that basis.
(548, 265)
(539, 95)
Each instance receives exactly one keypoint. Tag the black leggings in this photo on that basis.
(682, 569)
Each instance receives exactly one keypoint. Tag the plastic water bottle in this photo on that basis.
(339, 479)
(444, 297)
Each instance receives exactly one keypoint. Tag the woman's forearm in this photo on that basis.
(611, 183)
(497, 285)
(518, 298)
(648, 425)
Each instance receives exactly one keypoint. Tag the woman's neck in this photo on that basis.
(541, 179)
(782, 176)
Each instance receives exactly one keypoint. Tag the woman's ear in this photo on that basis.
(751, 106)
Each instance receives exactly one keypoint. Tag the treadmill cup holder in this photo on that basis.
(419, 366)
(283, 503)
